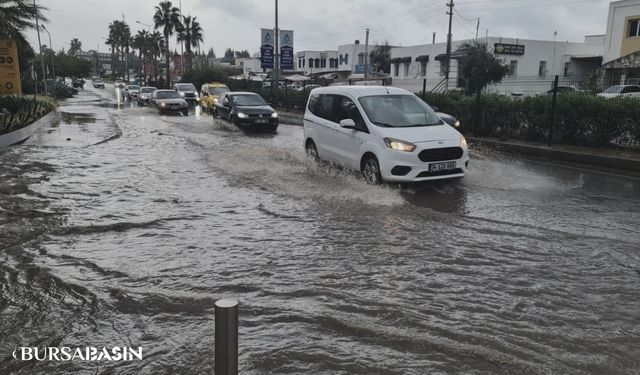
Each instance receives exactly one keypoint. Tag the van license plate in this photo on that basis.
(262, 121)
(436, 167)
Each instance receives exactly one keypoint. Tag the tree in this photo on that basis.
(190, 34)
(140, 42)
(155, 48)
(211, 53)
(167, 17)
(74, 46)
(381, 57)
(16, 17)
(242, 54)
(479, 67)
(229, 56)
(120, 40)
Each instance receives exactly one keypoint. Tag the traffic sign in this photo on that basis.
(9, 68)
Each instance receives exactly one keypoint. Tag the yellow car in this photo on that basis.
(209, 94)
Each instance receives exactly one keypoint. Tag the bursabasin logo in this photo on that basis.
(93, 354)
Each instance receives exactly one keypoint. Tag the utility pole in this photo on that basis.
(53, 67)
(434, 38)
(44, 76)
(448, 56)
(276, 60)
(477, 28)
(366, 55)
(181, 47)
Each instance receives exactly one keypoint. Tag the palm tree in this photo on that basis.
(16, 17)
(191, 34)
(140, 42)
(119, 40)
(74, 46)
(155, 47)
(167, 17)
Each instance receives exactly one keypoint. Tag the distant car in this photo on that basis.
(145, 94)
(78, 83)
(209, 95)
(188, 92)
(169, 101)
(131, 92)
(119, 84)
(621, 91)
(97, 83)
(386, 133)
(247, 110)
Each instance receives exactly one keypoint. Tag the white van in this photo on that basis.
(387, 133)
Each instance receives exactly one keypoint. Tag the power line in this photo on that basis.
(465, 18)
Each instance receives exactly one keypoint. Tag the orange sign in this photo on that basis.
(9, 68)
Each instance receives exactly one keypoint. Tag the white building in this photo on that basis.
(623, 29)
(532, 64)
(316, 62)
(351, 59)
(249, 65)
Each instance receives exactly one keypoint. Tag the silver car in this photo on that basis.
(188, 92)
(169, 101)
(145, 94)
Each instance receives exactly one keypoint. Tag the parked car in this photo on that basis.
(386, 133)
(78, 83)
(119, 84)
(621, 91)
(97, 82)
(188, 92)
(131, 92)
(449, 119)
(169, 101)
(209, 95)
(247, 110)
(145, 94)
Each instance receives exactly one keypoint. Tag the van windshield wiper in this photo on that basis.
(384, 125)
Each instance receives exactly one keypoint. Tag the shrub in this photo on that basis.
(19, 111)
(580, 118)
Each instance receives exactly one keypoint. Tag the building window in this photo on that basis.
(317, 63)
(406, 69)
(396, 69)
(423, 69)
(323, 63)
(513, 68)
(634, 28)
(542, 70)
(310, 63)
(346, 58)
(566, 69)
(360, 58)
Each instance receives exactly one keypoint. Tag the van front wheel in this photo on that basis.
(371, 171)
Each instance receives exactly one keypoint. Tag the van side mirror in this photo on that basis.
(347, 124)
(435, 109)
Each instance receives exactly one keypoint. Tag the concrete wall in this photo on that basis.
(617, 44)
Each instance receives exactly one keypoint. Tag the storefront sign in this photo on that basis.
(508, 49)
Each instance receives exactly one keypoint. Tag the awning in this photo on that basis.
(593, 59)
(454, 56)
(422, 58)
(395, 60)
(405, 59)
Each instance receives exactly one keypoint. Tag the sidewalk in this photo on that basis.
(601, 157)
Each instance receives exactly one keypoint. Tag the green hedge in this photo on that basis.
(19, 111)
(580, 118)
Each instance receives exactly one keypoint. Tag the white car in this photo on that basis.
(387, 133)
(621, 91)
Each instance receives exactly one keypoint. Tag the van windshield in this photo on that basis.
(217, 90)
(398, 111)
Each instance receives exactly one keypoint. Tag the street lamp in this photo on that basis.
(53, 68)
(144, 24)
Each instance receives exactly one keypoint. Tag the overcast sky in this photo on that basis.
(324, 24)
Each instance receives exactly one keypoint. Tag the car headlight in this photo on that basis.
(274, 115)
(197, 96)
(163, 104)
(242, 115)
(181, 94)
(463, 142)
(456, 124)
(398, 145)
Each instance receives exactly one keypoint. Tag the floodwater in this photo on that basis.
(120, 227)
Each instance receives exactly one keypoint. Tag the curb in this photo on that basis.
(611, 162)
(18, 136)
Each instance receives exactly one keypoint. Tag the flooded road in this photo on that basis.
(120, 227)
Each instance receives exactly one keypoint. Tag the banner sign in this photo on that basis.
(508, 49)
(286, 49)
(9, 69)
(266, 49)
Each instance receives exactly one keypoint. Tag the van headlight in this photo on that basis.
(274, 115)
(242, 115)
(181, 93)
(463, 142)
(456, 124)
(398, 145)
